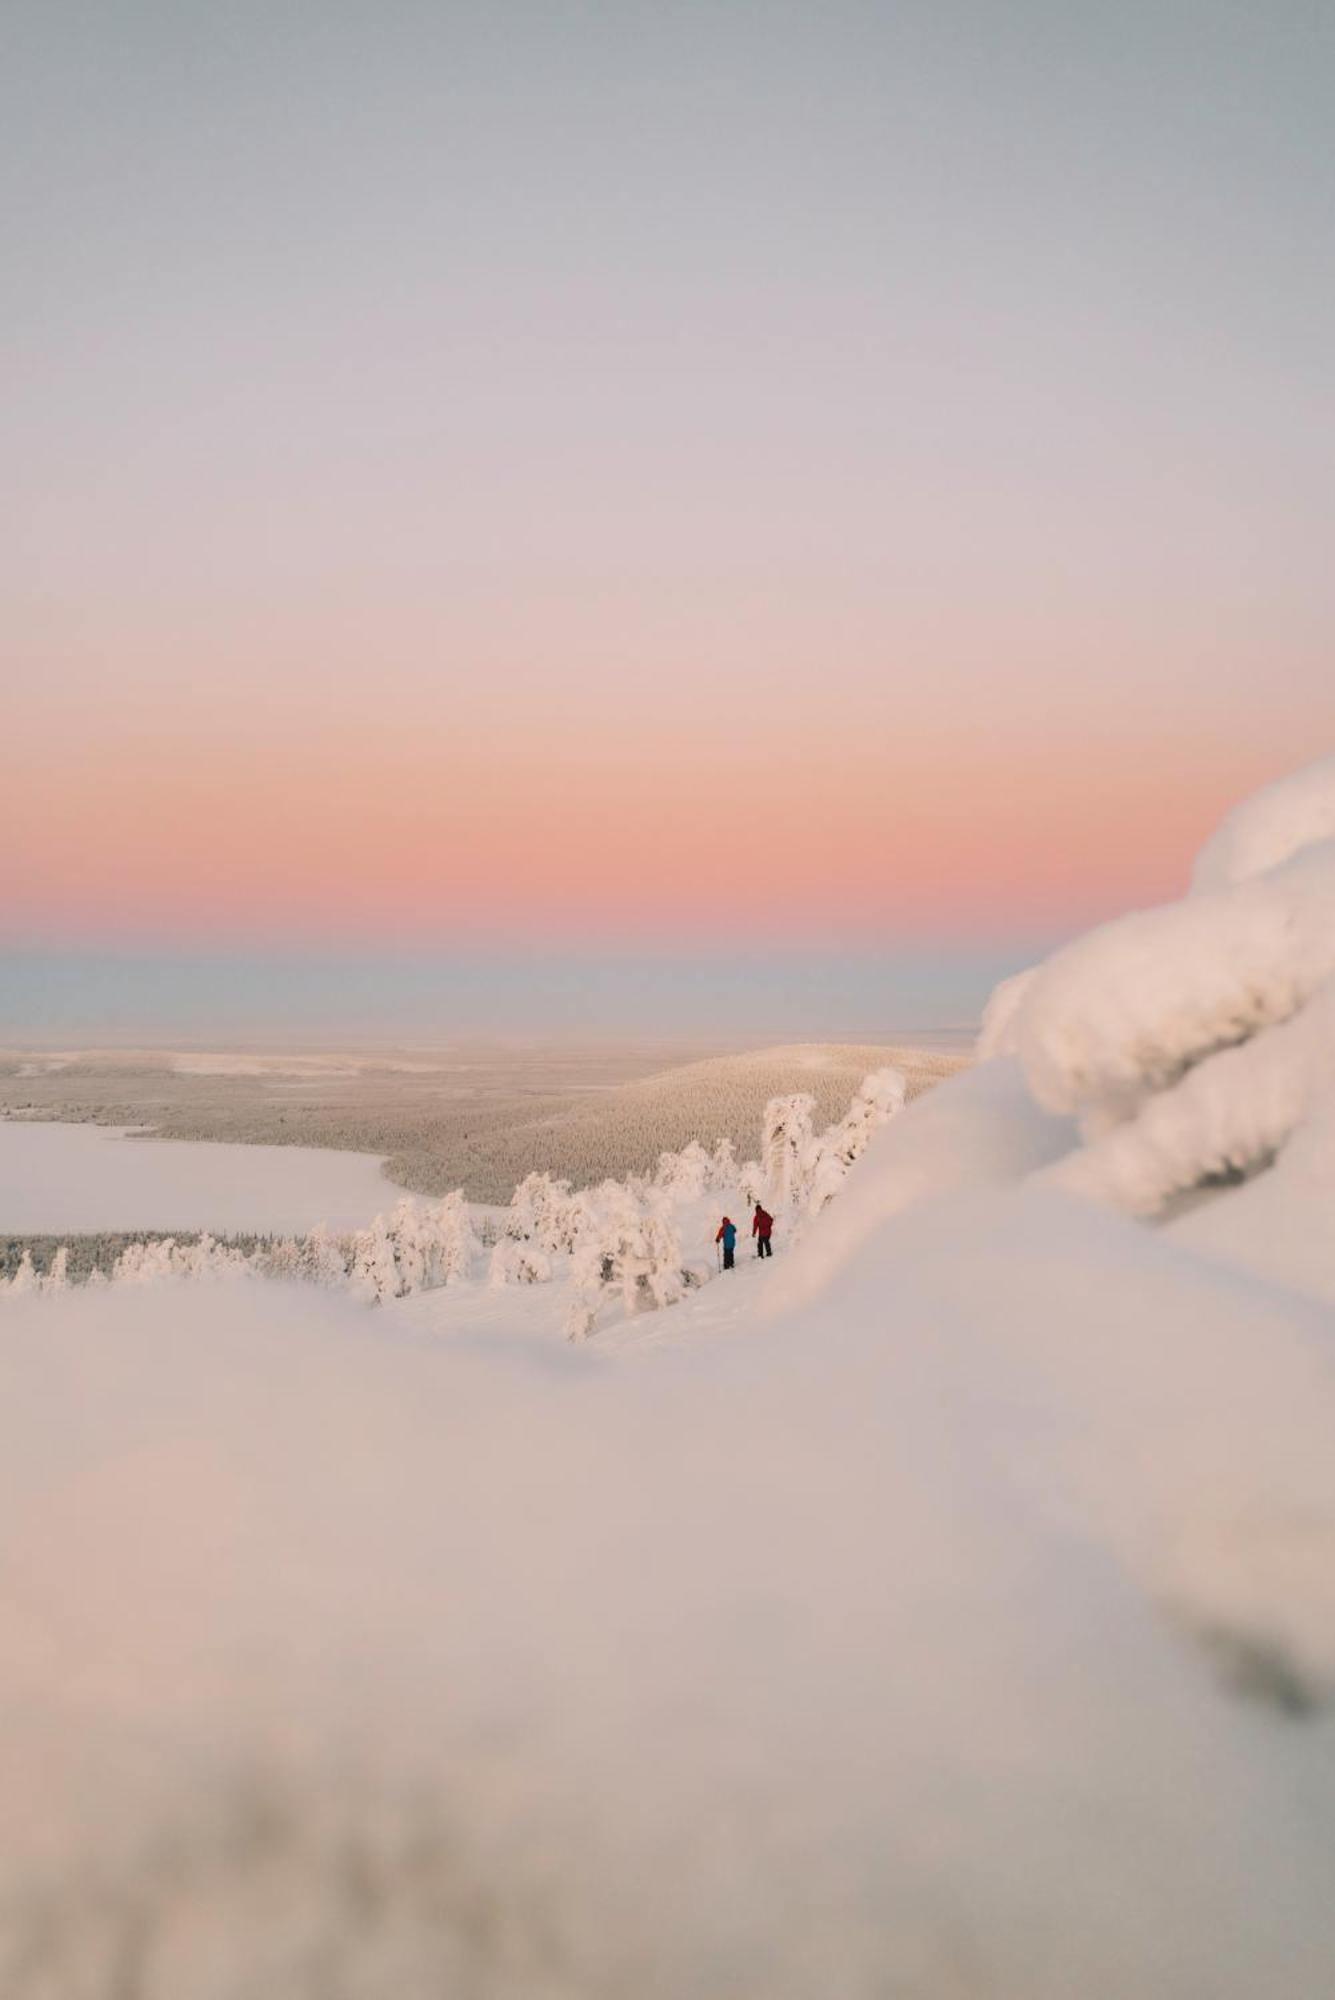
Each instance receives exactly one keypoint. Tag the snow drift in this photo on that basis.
(1194, 1045)
(901, 1650)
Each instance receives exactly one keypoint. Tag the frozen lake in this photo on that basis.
(58, 1179)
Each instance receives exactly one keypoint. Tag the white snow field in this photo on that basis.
(57, 1178)
(944, 1610)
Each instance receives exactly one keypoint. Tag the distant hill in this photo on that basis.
(623, 1129)
(477, 1117)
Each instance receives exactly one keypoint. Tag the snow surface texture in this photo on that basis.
(58, 1178)
(901, 1650)
(944, 1610)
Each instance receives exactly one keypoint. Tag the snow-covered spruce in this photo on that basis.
(144, 1263)
(420, 1246)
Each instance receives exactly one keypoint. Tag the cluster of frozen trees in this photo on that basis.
(641, 1242)
(28, 1279)
(801, 1169)
(621, 1238)
(139, 1263)
(418, 1245)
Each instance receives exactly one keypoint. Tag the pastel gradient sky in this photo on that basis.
(545, 477)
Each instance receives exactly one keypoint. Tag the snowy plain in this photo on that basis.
(71, 1178)
(945, 1609)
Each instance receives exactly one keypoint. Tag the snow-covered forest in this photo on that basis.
(477, 1116)
(946, 1608)
(640, 1243)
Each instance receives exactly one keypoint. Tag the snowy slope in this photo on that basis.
(967, 1630)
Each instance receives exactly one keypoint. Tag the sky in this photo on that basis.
(572, 484)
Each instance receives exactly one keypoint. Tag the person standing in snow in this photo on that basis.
(762, 1223)
(727, 1236)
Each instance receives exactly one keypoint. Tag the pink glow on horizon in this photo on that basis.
(657, 474)
(400, 838)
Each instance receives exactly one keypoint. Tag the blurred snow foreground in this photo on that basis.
(945, 1610)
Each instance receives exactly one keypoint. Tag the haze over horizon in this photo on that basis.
(381, 999)
(648, 501)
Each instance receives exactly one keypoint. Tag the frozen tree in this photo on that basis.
(57, 1278)
(452, 1246)
(631, 1246)
(283, 1259)
(545, 1220)
(207, 1258)
(323, 1258)
(413, 1241)
(25, 1278)
(659, 1265)
(786, 1146)
(375, 1273)
(519, 1262)
(686, 1174)
(591, 1271)
(545, 1212)
(145, 1263)
(879, 1097)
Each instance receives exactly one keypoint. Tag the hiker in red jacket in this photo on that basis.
(762, 1222)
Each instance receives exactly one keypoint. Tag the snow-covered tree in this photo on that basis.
(324, 1259)
(631, 1245)
(57, 1278)
(207, 1258)
(879, 1098)
(283, 1259)
(148, 1263)
(145, 1263)
(412, 1236)
(515, 1261)
(543, 1211)
(786, 1148)
(25, 1278)
(452, 1246)
(687, 1174)
(375, 1272)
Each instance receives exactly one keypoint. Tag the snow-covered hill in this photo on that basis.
(622, 1130)
(945, 1610)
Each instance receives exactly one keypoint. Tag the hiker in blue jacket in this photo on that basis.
(727, 1236)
